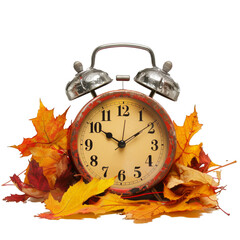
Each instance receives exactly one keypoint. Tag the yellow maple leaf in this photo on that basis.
(73, 199)
(184, 151)
(112, 202)
(200, 197)
(50, 131)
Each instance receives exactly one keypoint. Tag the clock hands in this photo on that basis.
(122, 143)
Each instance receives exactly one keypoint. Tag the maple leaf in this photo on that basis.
(200, 197)
(146, 213)
(112, 202)
(180, 192)
(145, 210)
(74, 198)
(50, 131)
(49, 157)
(185, 152)
(53, 162)
(195, 200)
(28, 189)
(36, 187)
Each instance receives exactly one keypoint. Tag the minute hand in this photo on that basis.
(136, 134)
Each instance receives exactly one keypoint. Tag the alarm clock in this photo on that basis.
(123, 133)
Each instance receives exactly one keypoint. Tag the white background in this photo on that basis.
(40, 40)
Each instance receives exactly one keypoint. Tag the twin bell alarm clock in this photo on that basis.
(123, 133)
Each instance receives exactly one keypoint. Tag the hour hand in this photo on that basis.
(109, 135)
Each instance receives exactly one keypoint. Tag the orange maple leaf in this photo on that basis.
(54, 162)
(50, 131)
(195, 200)
(199, 197)
(184, 151)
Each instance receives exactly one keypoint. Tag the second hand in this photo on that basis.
(123, 129)
(122, 144)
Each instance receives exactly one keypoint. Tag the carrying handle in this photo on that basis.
(128, 45)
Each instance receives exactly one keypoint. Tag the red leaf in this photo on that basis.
(65, 174)
(204, 162)
(36, 177)
(17, 181)
(16, 198)
(28, 189)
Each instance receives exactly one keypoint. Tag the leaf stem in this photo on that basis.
(223, 210)
(6, 184)
(222, 166)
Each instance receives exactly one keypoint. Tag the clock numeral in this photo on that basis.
(137, 173)
(88, 144)
(121, 175)
(95, 127)
(151, 130)
(106, 115)
(149, 160)
(155, 145)
(123, 111)
(94, 161)
(140, 116)
(105, 169)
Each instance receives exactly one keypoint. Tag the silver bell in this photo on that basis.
(159, 81)
(86, 81)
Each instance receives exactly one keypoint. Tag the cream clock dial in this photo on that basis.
(123, 137)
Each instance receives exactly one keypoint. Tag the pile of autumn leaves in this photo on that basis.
(50, 177)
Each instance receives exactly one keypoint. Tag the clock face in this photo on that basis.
(123, 136)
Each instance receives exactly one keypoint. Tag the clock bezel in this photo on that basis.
(75, 127)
